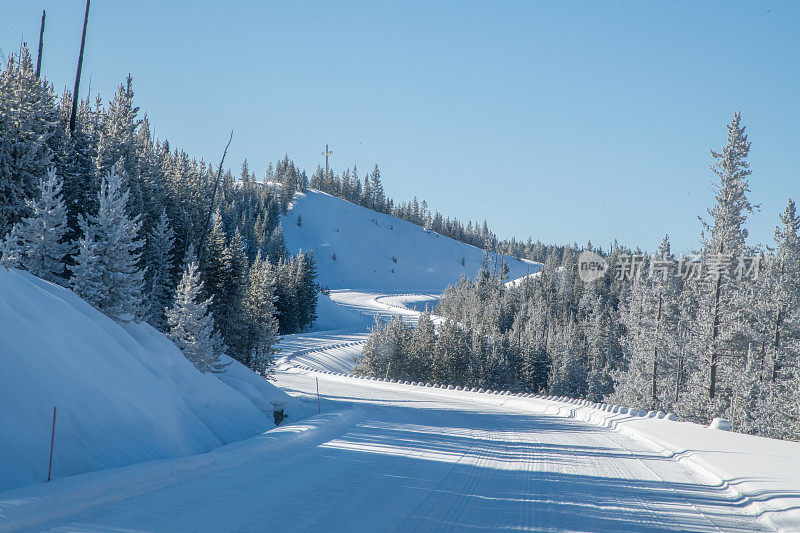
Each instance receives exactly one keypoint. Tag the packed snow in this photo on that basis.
(124, 394)
(409, 458)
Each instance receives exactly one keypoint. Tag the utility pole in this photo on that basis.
(326, 153)
(78, 72)
(41, 45)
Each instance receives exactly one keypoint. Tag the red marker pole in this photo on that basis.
(319, 405)
(52, 443)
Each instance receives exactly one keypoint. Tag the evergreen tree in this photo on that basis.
(117, 145)
(159, 275)
(259, 314)
(726, 233)
(217, 274)
(28, 121)
(37, 242)
(724, 239)
(378, 200)
(306, 289)
(276, 247)
(286, 297)
(233, 295)
(774, 312)
(651, 343)
(192, 324)
(367, 197)
(75, 164)
(106, 273)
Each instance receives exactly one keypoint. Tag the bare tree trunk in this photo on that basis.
(211, 205)
(678, 374)
(776, 342)
(72, 116)
(712, 370)
(41, 46)
(654, 384)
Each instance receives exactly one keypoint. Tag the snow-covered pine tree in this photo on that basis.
(234, 332)
(106, 271)
(306, 289)
(367, 197)
(259, 316)
(773, 403)
(149, 177)
(724, 240)
(8, 187)
(600, 341)
(651, 344)
(117, 146)
(217, 270)
(376, 190)
(75, 164)
(276, 246)
(356, 194)
(28, 120)
(191, 324)
(568, 373)
(346, 191)
(36, 243)
(422, 344)
(159, 252)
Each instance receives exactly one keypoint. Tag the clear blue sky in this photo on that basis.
(567, 121)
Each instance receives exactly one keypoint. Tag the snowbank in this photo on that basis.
(28, 507)
(124, 394)
(375, 251)
(763, 473)
(262, 393)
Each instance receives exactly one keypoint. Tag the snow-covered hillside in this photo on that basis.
(124, 394)
(374, 251)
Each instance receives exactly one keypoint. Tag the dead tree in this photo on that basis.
(72, 116)
(211, 204)
(41, 45)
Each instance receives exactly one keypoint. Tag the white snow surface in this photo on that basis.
(124, 394)
(365, 243)
(390, 456)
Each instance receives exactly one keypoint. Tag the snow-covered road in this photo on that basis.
(335, 350)
(417, 459)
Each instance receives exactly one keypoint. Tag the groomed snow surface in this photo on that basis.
(380, 455)
(409, 458)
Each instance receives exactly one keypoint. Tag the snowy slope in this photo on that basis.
(365, 243)
(124, 394)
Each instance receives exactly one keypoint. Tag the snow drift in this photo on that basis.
(374, 251)
(125, 394)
